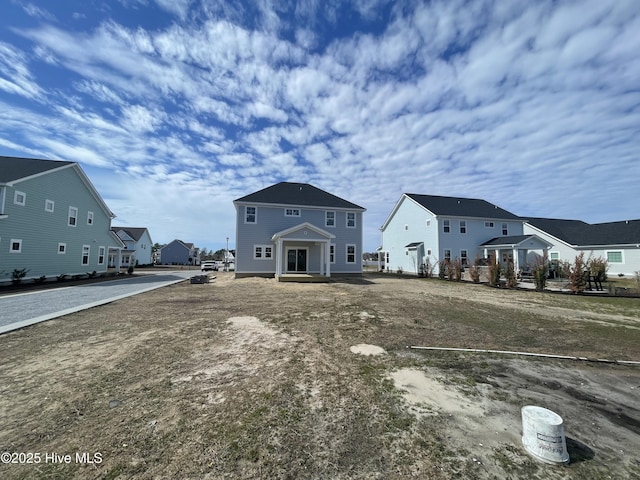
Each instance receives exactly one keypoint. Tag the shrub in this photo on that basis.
(61, 277)
(577, 280)
(455, 269)
(17, 275)
(443, 268)
(541, 272)
(494, 272)
(130, 270)
(598, 268)
(474, 273)
(510, 275)
(428, 269)
(40, 280)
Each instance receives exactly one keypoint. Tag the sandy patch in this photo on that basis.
(364, 349)
(422, 390)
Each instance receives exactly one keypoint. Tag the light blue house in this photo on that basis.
(52, 220)
(295, 230)
(425, 229)
(138, 247)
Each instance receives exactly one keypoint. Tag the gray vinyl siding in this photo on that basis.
(174, 254)
(41, 231)
(271, 220)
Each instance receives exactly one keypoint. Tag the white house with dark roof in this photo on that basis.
(52, 220)
(138, 247)
(425, 229)
(296, 230)
(617, 242)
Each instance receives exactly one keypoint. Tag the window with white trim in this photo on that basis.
(86, 250)
(505, 229)
(554, 255)
(488, 224)
(463, 226)
(73, 216)
(351, 253)
(329, 219)
(262, 252)
(89, 218)
(332, 253)
(615, 256)
(428, 223)
(15, 246)
(446, 226)
(351, 219)
(291, 212)
(447, 255)
(62, 248)
(101, 255)
(19, 198)
(464, 258)
(250, 215)
(49, 205)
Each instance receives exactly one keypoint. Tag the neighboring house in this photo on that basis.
(296, 228)
(425, 229)
(617, 242)
(52, 220)
(138, 247)
(179, 253)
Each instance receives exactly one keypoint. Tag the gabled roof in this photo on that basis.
(513, 240)
(461, 207)
(134, 232)
(302, 226)
(579, 233)
(297, 194)
(16, 168)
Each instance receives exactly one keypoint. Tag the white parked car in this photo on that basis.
(208, 266)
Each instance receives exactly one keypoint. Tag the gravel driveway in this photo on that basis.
(25, 309)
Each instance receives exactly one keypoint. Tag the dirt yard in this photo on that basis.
(251, 378)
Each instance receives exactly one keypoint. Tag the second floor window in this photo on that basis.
(330, 219)
(505, 229)
(463, 226)
(73, 216)
(351, 220)
(250, 215)
(446, 226)
(89, 218)
(291, 212)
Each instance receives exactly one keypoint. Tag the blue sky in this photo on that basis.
(174, 108)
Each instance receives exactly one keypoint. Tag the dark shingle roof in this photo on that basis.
(298, 194)
(133, 232)
(15, 168)
(462, 207)
(507, 240)
(577, 232)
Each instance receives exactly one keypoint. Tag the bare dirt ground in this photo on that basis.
(251, 378)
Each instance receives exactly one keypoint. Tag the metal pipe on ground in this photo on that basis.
(527, 354)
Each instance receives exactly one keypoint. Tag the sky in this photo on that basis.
(174, 108)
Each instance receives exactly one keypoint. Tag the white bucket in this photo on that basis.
(543, 435)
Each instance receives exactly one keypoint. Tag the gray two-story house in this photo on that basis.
(296, 230)
(178, 252)
(53, 222)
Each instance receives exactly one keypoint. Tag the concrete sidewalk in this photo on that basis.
(23, 309)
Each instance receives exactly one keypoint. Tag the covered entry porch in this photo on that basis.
(303, 254)
(522, 250)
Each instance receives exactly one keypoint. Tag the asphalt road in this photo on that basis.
(23, 309)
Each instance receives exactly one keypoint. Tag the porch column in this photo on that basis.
(279, 257)
(327, 257)
(516, 261)
(322, 251)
